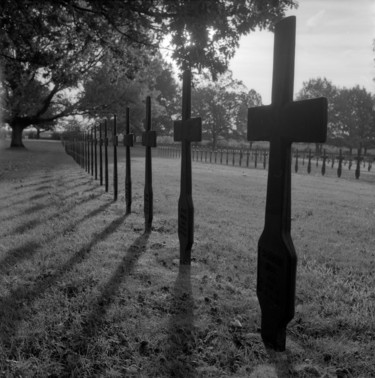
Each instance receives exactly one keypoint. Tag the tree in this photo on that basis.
(246, 100)
(351, 119)
(48, 46)
(110, 90)
(356, 117)
(321, 87)
(221, 106)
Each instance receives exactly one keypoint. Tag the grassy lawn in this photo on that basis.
(85, 293)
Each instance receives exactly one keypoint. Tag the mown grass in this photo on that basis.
(84, 292)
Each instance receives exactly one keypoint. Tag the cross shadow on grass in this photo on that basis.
(281, 362)
(181, 340)
(39, 207)
(16, 306)
(26, 251)
(95, 319)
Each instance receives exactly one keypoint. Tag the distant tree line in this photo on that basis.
(351, 113)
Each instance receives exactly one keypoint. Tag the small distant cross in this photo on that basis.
(128, 142)
(186, 131)
(148, 140)
(281, 123)
(340, 158)
(115, 144)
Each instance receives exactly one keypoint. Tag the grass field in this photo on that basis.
(84, 292)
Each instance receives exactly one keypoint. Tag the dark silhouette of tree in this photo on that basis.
(48, 47)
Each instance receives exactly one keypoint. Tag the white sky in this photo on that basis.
(333, 40)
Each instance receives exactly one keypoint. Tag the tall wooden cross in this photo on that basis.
(101, 153)
(96, 152)
(128, 142)
(106, 155)
(115, 144)
(92, 151)
(148, 140)
(281, 123)
(186, 131)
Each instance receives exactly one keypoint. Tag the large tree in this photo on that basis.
(322, 87)
(110, 90)
(48, 46)
(356, 117)
(221, 104)
(351, 119)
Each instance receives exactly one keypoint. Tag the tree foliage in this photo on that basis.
(110, 90)
(221, 104)
(351, 116)
(47, 47)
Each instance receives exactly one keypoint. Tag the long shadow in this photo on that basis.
(16, 202)
(16, 255)
(28, 226)
(39, 207)
(181, 340)
(282, 363)
(94, 320)
(16, 306)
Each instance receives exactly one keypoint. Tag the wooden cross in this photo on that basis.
(186, 131)
(115, 144)
(85, 139)
(324, 159)
(92, 151)
(309, 162)
(296, 163)
(340, 158)
(281, 123)
(148, 140)
(95, 152)
(106, 155)
(101, 153)
(358, 166)
(128, 142)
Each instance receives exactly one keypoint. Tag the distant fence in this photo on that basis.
(302, 161)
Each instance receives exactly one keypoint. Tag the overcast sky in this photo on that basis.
(333, 40)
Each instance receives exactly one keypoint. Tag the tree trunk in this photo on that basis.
(37, 133)
(17, 136)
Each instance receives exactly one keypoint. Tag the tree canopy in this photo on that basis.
(223, 107)
(351, 112)
(47, 47)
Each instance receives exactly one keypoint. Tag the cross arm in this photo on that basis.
(260, 121)
(128, 140)
(306, 121)
(149, 138)
(188, 130)
(300, 121)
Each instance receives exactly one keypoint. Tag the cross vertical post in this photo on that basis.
(281, 123)
(186, 131)
(101, 153)
(106, 155)
(128, 142)
(358, 166)
(84, 152)
(148, 140)
(324, 158)
(340, 158)
(115, 144)
(309, 162)
(92, 151)
(88, 151)
(95, 153)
